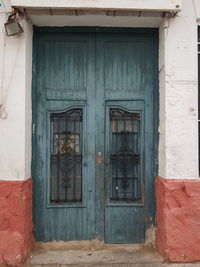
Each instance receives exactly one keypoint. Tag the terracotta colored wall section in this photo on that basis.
(16, 226)
(178, 219)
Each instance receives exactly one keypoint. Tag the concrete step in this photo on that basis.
(86, 253)
(96, 254)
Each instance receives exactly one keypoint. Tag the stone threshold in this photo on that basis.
(91, 253)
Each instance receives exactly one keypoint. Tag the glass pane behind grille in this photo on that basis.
(66, 156)
(125, 181)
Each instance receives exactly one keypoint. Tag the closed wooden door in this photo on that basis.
(93, 138)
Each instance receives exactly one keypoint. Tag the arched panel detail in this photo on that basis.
(125, 184)
(66, 156)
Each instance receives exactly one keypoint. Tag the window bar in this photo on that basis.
(81, 151)
(52, 195)
(138, 164)
(124, 158)
(74, 158)
(116, 163)
(58, 159)
(133, 149)
(65, 182)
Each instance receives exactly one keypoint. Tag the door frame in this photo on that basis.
(150, 196)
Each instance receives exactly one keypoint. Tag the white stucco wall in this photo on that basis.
(178, 147)
(15, 131)
(178, 153)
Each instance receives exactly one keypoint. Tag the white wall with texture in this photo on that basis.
(178, 146)
(15, 95)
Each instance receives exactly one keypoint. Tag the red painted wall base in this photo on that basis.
(178, 219)
(16, 239)
(177, 215)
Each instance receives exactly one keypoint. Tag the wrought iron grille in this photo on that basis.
(125, 181)
(66, 156)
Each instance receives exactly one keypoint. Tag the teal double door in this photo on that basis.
(94, 134)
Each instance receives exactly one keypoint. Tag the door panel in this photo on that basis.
(123, 64)
(124, 211)
(125, 80)
(64, 202)
(93, 154)
(66, 70)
